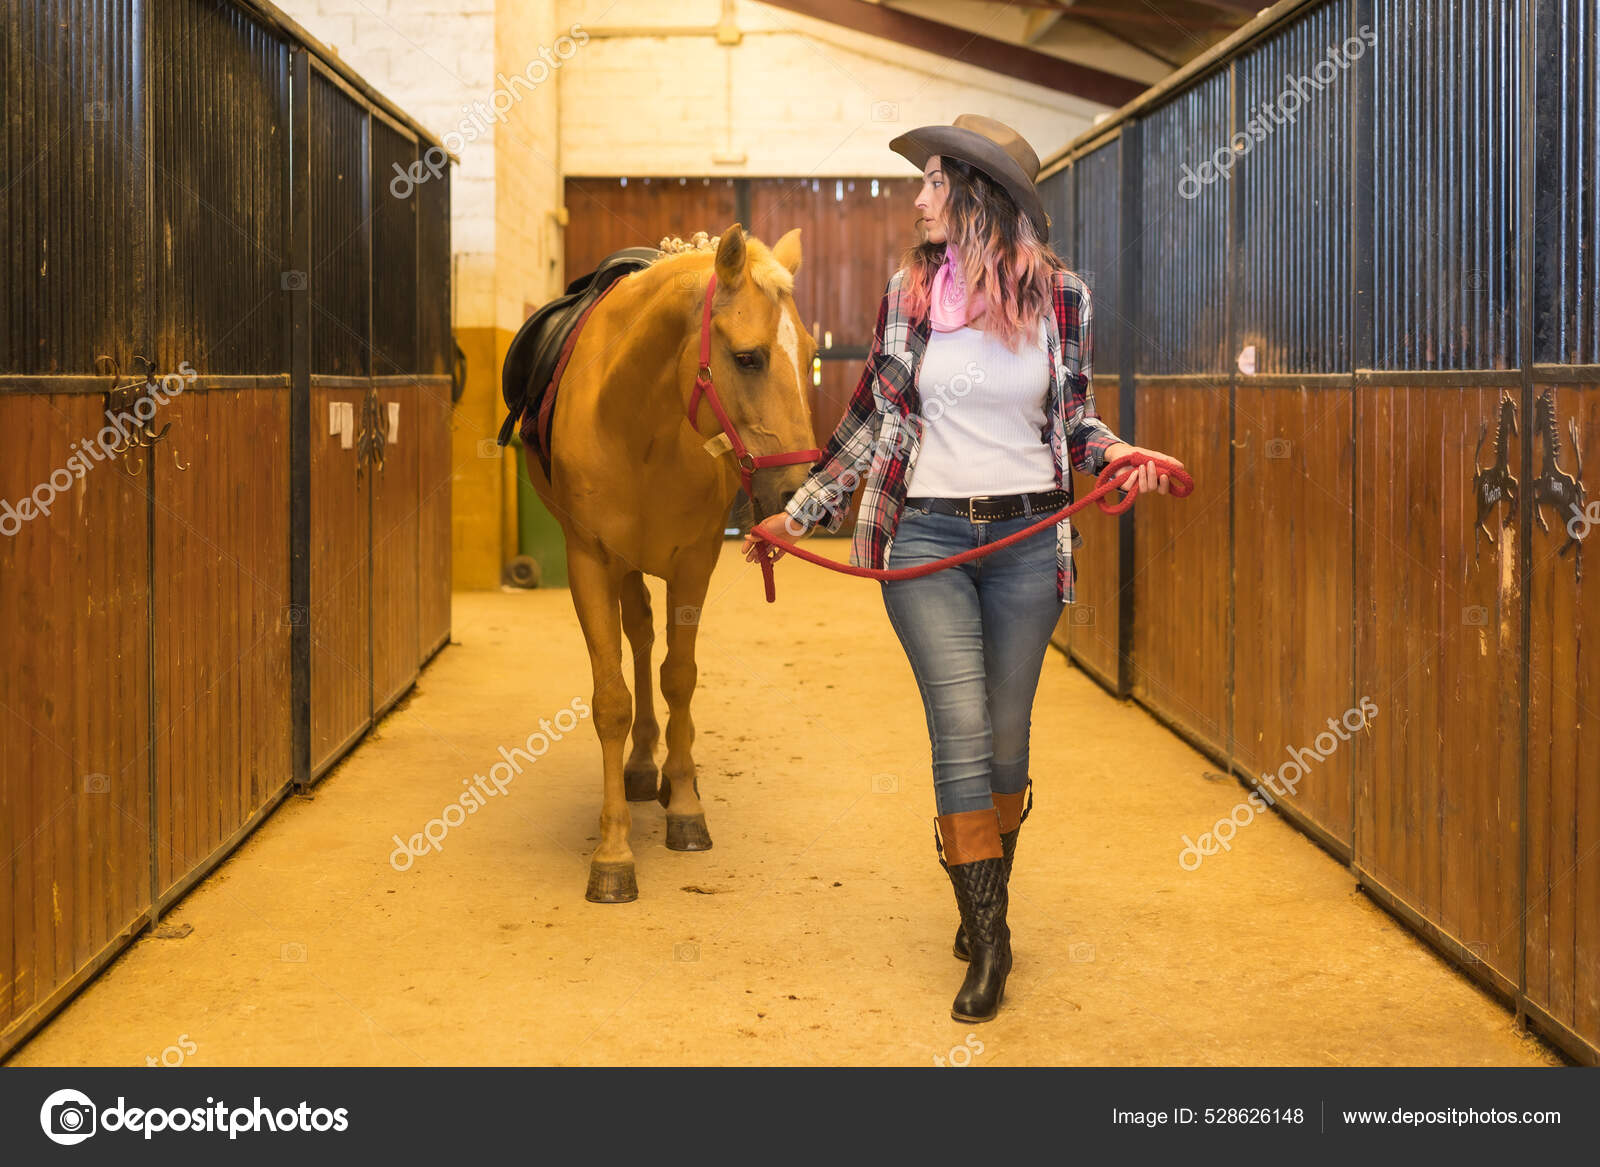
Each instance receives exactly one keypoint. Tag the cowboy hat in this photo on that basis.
(993, 147)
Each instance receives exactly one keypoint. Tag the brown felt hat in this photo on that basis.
(993, 147)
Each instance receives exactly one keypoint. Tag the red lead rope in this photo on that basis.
(1111, 478)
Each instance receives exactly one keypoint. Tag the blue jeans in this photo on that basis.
(976, 635)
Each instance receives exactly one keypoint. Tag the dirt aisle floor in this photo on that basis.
(817, 931)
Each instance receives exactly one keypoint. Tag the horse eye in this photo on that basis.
(750, 360)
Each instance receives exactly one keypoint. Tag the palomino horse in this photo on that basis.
(638, 486)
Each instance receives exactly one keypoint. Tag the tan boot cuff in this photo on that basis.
(1009, 808)
(970, 835)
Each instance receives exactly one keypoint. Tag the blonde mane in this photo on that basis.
(769, 275)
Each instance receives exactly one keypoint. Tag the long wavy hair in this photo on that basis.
(1002, 255)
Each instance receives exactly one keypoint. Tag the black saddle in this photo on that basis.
(537, 354)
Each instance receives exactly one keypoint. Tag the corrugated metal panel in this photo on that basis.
(1056, 194)
(1568, 168)
(394, 254)
(340, 236)
(1445, 203)
(1183, 313)
(72, 194)
(435, 348)
(220, 143)
(1292, 264)
(1097, 247)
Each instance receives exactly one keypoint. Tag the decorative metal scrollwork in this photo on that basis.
(1493, 485)
(373, 436)
(1555, 486)
(122, 402)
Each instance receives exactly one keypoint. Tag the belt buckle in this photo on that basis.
(972, 507)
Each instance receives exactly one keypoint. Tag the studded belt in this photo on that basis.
(991, 508)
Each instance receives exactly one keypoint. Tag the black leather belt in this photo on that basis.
(992, 508)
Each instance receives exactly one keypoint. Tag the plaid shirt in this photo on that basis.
(881, 431)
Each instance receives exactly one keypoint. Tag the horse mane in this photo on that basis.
(769, 275)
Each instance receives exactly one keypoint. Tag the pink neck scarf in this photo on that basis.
(949, 308)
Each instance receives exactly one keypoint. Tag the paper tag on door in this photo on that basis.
(394, 422)
(342, 421)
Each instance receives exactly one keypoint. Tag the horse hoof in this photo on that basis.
(687, 832)
(639, 782)
(611, 883)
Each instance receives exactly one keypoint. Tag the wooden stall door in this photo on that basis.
(396, 643)
(1438, 637)
(1562, 922)
(1291, 571)
(608, 214)
(341, 594)
(1091, 626)
(1181, 577)
(433, 488)
(223, 618)
(74, 701)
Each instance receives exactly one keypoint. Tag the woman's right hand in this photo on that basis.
(779, 525)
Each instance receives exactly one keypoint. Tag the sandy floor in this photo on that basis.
(816, 931)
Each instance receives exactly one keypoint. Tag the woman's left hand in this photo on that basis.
(1145, 476)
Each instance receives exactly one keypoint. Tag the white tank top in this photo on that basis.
(983, 409)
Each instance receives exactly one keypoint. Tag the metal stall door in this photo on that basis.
(339, 285)
(1561, 921)
(1439, 447)
(391, 424)
(75, 698)
(220, 97)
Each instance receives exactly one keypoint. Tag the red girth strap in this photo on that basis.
(706, 387)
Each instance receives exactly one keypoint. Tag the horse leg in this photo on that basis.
(639, 774)
(596, 594)
(680, 792)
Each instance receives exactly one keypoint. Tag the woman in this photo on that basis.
(975, 395)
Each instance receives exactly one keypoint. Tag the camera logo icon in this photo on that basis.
(885, 111)
(489, 448)
(68, 1117)
(1277, 448)
(1083, 615)
(1475, 616)
(686, 952)
(293, 281)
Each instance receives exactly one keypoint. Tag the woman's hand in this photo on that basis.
(1145, 476)
(779, 525)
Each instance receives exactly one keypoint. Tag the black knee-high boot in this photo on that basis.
(969, 851)
(1013, 810)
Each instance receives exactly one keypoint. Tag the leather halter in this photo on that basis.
(704, 386)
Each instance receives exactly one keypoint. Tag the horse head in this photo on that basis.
(761, 357)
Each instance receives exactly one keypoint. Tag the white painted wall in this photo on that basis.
(653, 92)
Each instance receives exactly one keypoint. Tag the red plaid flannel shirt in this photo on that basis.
(877, 441)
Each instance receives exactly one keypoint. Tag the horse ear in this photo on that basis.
(787, 250)
(731, 257)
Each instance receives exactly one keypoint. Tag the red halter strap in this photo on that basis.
(704, 386)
